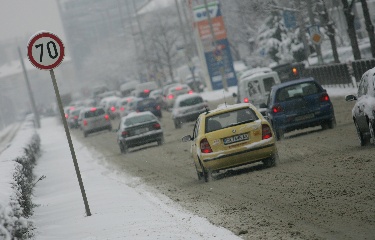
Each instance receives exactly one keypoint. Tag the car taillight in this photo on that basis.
(277, 109)
(205, 146)
(66, 115)
(122, 108)
(106, 117)
(190, 92)
(156, 126)
(93, 109)
(113, 109)
(178, 88)
(158, 107)
(170, 96)
(324, 97)
(245, 100)
(146, 91)
(266, 131)
(84, 122)
(124, 133)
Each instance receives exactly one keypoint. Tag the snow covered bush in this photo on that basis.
(15, 200)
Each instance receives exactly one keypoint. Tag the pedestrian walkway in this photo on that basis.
(122, 207)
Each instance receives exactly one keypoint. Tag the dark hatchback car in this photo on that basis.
(363, 112)
(299, 104)
(137, 129)
(146, 104)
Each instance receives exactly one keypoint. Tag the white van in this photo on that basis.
(256, 88)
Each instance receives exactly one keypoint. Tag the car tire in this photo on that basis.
(362, 139)
(123, 148)
(329, 124)
(279, 134)
(332, 123)
(199, 174)
(160, 141)
(177, 123)
(371, 126)
(207, 174)
(272, 161)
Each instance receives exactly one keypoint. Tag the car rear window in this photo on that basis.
(297, 90)
(94, 113)
(228, 119)
(180, 89)
(76, 112)
(139, 119)
(191, 101)
(146, 102)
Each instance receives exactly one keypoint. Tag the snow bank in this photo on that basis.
(16, 165)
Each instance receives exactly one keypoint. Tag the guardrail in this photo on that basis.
(330, 74)
(361, 66)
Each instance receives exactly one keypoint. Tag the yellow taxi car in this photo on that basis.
(231, 136)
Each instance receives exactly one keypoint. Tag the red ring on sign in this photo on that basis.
(31, 44)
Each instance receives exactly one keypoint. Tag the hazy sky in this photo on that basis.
(19, 18)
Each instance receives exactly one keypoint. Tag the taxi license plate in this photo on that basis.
(304, 117)
(140, 131)
(237, 138)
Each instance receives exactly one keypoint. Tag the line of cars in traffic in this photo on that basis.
(139, 114)
(226, 137)
(245, 132)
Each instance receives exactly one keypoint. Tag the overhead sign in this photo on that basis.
(45, 50)
(217, 55)
(290, 20)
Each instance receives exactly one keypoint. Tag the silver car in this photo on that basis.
(187, 108)
(94, 119)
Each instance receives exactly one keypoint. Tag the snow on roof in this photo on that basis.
(14, 67)
(183, 97)
(153, 5)
(255, 70)
(226, 107)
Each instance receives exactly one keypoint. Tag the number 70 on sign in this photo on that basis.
(45, 50)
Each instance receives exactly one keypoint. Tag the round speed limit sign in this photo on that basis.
(45, 50)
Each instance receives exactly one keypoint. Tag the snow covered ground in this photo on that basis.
(122, 207)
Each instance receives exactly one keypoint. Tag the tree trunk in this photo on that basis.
(330, 32)
(234, 51)
(351, 29)
(369, 26)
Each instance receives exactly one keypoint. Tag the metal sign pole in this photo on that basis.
(70, 143)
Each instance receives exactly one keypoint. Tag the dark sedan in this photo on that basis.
(137, 129)
(146, 104)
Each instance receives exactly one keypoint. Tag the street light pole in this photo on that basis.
(35, 111)
(142, 38)
(187, 53)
